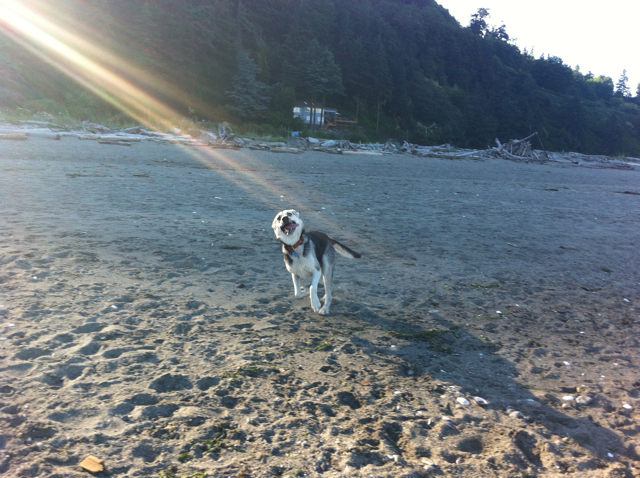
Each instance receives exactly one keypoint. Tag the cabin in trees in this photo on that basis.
(326, 118)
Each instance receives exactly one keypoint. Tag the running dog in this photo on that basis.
(308, 254)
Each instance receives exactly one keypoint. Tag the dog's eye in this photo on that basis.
(278, 218)
(289, 214)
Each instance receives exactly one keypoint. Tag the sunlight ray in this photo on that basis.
(95, 69)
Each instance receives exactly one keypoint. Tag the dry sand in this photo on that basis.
(147, 319)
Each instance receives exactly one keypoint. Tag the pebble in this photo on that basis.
(480, 401)
(584, 400)
(516, 414)
(463, 401)
(627, 406)
(568, 398)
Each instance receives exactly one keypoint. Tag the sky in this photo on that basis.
(601, 37)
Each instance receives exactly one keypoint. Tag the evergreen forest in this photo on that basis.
(405, 69)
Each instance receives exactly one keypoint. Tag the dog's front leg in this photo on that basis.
(327, 279)
(297, 290)
(313, 290)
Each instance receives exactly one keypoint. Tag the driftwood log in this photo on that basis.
(518, 150)
(13, 136)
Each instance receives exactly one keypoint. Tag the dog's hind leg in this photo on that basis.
(297, 290)
(327, 278)
(313, 291)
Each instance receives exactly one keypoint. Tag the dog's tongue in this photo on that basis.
(291, 226)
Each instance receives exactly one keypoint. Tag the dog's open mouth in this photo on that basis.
(289, 228)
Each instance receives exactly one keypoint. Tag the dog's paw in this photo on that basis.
(323, 311)
(315, 304)
(299, 294)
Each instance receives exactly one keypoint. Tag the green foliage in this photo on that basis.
(405, 69)
(249, 95)
(283, 99)
(185, 457)
(622, 87)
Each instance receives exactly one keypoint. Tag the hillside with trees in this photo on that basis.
(406, 69)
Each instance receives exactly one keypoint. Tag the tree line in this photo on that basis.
(406, 69)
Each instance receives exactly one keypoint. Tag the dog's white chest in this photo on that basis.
(302, 266)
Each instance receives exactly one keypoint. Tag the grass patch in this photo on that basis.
(171, 473)
(249, 371)
(168, 473)
(185, 457)
(323, 347)
(217, 444)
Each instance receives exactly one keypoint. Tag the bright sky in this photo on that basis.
(601, 37)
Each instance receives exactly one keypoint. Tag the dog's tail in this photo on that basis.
(344, 250)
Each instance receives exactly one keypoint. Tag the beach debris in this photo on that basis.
(225, 138)
(519, 150)
(583, 400)
(92, 464)
(285, 150)
(463, 401)
(13, 136)
(95, 128)
(480, 401)
(362, 153)
(118, 143)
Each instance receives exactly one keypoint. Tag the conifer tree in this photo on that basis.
(317, 73)
(250, 96)
(622, 89)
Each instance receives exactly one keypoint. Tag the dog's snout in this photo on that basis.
(285, 220)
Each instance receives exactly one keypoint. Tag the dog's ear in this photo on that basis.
(296, 213)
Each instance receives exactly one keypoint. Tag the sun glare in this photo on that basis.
(95, 68)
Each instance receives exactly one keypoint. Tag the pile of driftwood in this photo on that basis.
(224, 138)
(519, 150)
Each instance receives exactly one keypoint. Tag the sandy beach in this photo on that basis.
(490, 328)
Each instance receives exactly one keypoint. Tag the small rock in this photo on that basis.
(240, 286)
(480, 401)
(463, 401)
(92, 464)
(568, 398)
(584, 400)
(516, 414)
(626, 406)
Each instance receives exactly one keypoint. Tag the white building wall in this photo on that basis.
(304, 113)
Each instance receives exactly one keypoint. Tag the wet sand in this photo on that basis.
(147, 318)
